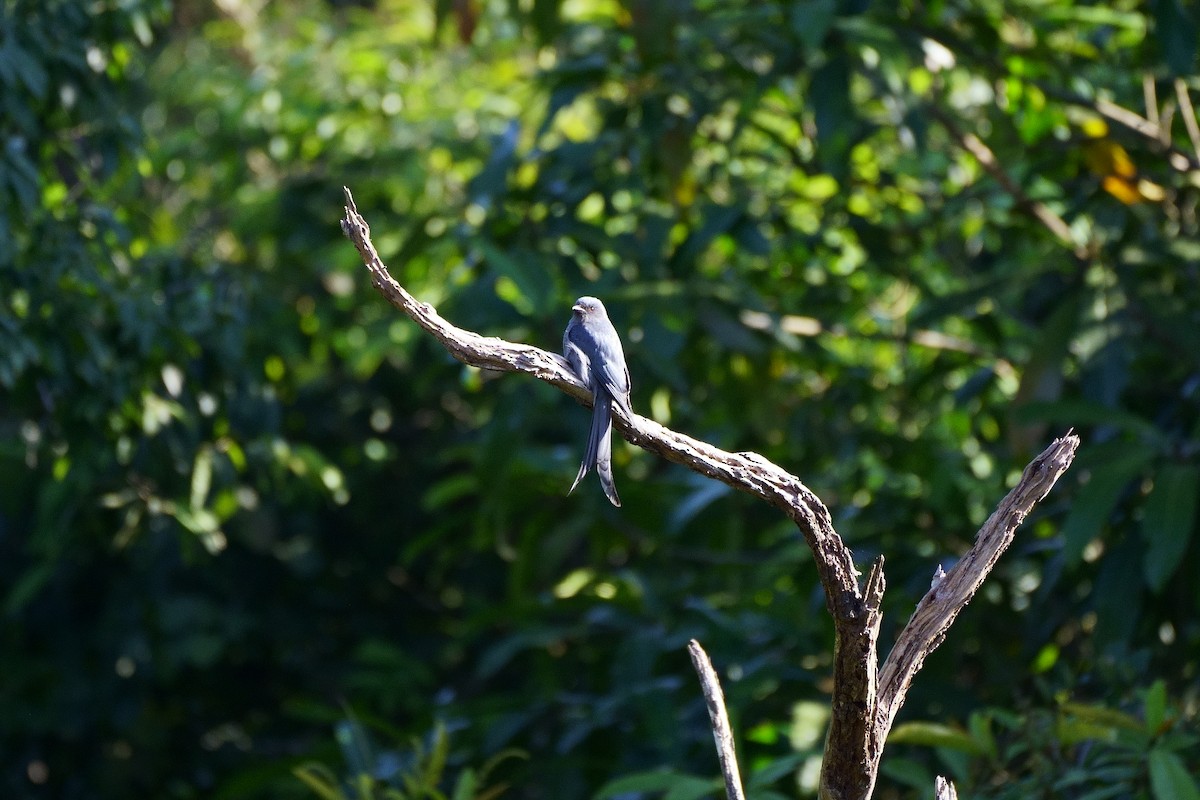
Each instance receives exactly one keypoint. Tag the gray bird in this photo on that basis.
(593, 349)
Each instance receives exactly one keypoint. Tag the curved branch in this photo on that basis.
(864, 703)
(747, 472)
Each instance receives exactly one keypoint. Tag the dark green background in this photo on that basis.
(251, 519)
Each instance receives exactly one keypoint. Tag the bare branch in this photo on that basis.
(1150, 97)
(943, 789)
(748, 472)
(941, 604)
(722, 732)
(468, 347)
(864, 702)
(1188, 113)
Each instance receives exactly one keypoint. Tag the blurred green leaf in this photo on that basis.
(1169, 520)
(767, 775)
(1101, 716)
(675, 785)
(1115, 465)
(830, 99)
(321, 780)
(932, 734)
(980, 726)
(1156, 707)
(355, 746)
(907, 772)
(811, 20)
(1169, 778)
(1176, 32)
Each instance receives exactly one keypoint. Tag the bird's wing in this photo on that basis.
(603, 349)
(612, 373)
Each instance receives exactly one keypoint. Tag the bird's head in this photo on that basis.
(588, 307)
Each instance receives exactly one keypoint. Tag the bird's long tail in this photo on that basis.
(599, 448)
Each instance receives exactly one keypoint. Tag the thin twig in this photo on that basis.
(1189, 115)
(1150, 97)
(714, 698)
(798, 325)
(1035, 208)
(1130, 120)
(1118, 114)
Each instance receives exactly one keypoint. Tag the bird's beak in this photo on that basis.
(577, 309)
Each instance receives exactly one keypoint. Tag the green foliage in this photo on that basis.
(1076, 750)
(390, 776)
(244, 501)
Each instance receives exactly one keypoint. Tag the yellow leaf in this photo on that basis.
(1122, 189)
(1105, 157)
(1095, 128)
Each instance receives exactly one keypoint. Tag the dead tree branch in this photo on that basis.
(714, 698)
(943, 789)
(937, 610)
(865, 701)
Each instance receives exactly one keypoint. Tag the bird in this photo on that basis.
(593, 349)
